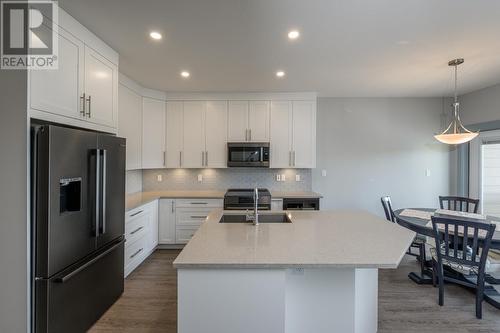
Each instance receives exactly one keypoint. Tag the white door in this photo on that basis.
(174, 137)
(166, 221)
(59, 91)
(194, 134)
(258, 121)
(237, 121)
(281, 132)
(101, 84)
(484, 172)
(153, 133)
(130, 125)
(215, 134)
(304, 134)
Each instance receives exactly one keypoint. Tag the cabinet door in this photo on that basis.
(194, 135)
(281, 134)
(215, 134)
(153, 133)
(130, 125)
(258, 121)
(101, 89)
(59, 91)
(174, 135)
(304, 134)
(237, 121)
(166, 221)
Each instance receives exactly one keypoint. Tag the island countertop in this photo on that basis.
(314, 239)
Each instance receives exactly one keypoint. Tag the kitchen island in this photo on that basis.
(318, 273)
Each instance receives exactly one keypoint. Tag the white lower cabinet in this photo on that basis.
(141, 234)
(166, 221)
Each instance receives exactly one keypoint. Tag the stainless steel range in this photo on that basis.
(243, 198)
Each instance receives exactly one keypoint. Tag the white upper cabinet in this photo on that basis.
(174, 135)
(258, 121)
(304, 134)
(248, 121)
(293, 134)
(60, 91)
(237, 121)
(281, 134)
(193, 154)
(215, 134)
(101, 83)
(153, 133)
(130, 125)
(83, 90)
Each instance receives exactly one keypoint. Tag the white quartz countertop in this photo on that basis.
(314, 239)
(141, 198)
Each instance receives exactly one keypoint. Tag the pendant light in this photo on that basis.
(456, 133)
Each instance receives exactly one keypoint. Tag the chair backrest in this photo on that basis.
(387, 205)
(464, 242)
(459, 204)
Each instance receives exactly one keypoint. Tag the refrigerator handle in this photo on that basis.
(97, 189)
(103, 194)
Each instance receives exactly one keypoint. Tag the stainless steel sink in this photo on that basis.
(263, 218)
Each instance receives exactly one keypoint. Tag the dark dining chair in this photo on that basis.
(461, 204)
(419, 241)
(463, 246)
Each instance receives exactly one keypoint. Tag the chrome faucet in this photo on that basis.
(255, 217)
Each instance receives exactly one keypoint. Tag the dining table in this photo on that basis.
(422, 226)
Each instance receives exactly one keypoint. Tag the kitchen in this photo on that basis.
(170, 175)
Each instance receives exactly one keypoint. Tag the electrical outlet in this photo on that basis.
(159, 178)
(200, 178)
(283, 177)
(428, 172)
(278, 178)
(323, 173)
(297, 178)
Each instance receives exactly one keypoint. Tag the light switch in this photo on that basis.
(323, 173)
(159, 178)
(283, 177)
(297, 178)
(200, 178)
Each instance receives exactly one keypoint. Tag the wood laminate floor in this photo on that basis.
(149, 303)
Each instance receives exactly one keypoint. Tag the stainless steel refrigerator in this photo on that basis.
(78, 214)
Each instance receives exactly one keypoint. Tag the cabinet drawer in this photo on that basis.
(137, 227)
(135, 213)
(184, 234)
(191, 216)
(192, 203)
(135, 252)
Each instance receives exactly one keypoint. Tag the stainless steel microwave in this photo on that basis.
(246, 154)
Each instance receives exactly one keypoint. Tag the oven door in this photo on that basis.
(248, 155)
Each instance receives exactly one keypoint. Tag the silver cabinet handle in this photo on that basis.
(164, 158)
(294, 158)
(206, 158)
(136, 253)
(290, 158)
(202, 158)
(172, 206)
(89, 112)
(199, 203)
(198, 217)
(136, 213)
(180, 158)
(83, 101)
(136, 230)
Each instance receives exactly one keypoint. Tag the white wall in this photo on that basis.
(480, 106)
(13, 201)
(372, 147)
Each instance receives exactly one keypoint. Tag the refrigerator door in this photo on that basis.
(64, 189)
(75, 299)
(112, 189)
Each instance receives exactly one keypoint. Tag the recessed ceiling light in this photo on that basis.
(280, 73)
(293, 34)
(155, 35)
(185, 74)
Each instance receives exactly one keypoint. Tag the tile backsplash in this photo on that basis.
(222, 179)
(133, 181)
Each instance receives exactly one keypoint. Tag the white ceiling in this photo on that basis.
(347, 48)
